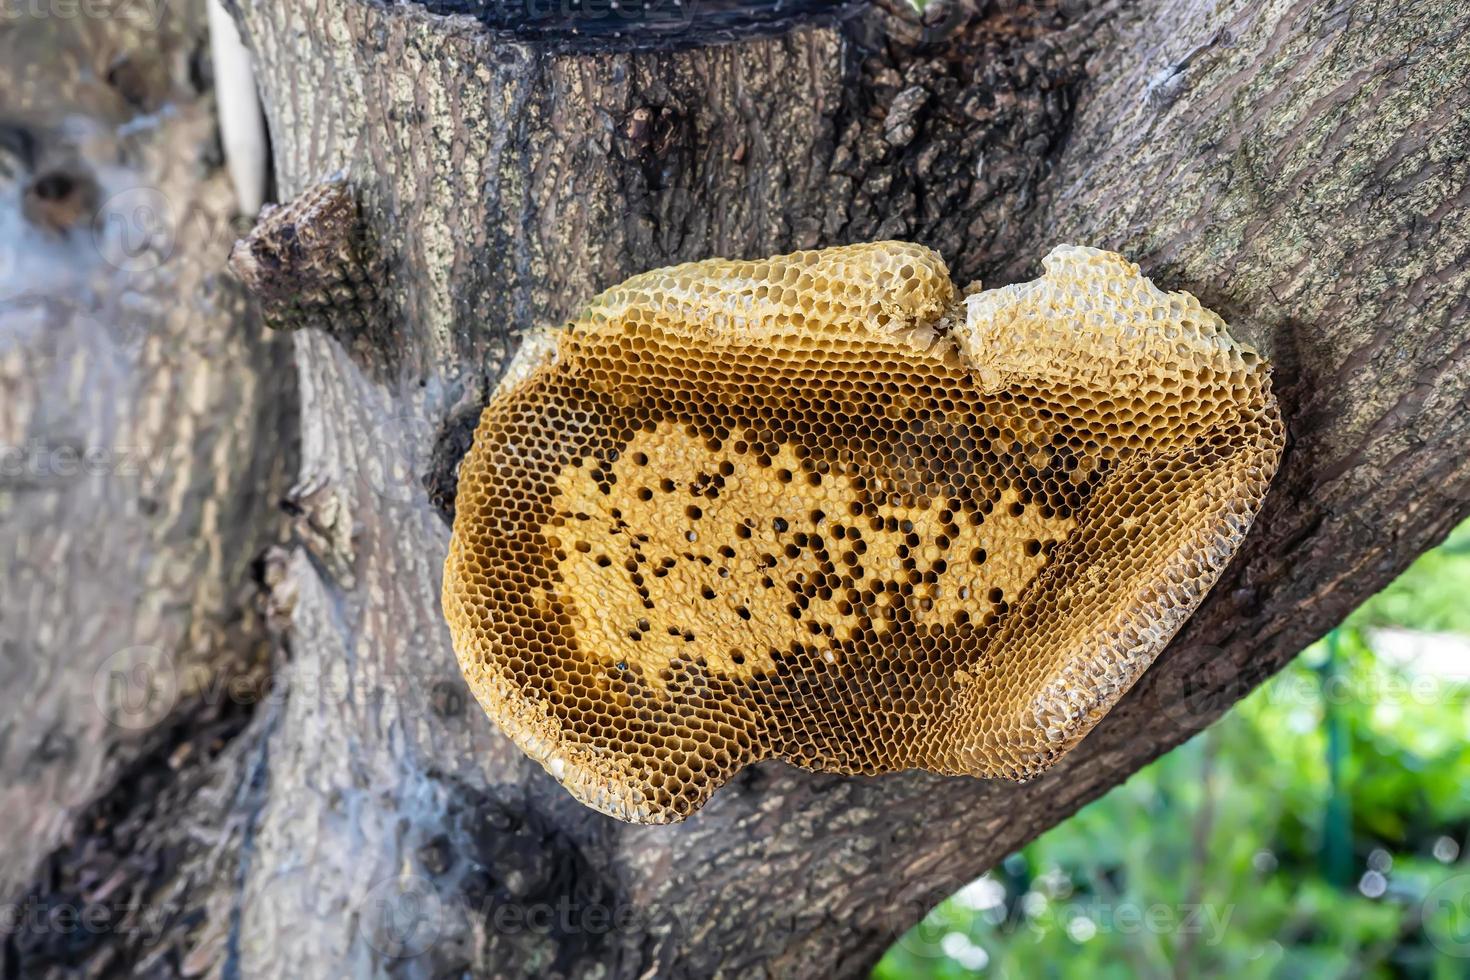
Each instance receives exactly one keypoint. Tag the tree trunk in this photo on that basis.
(1299, 166)
(146, 433)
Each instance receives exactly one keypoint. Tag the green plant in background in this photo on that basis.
(1320, 829)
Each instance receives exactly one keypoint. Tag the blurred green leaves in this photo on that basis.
(1320, 829)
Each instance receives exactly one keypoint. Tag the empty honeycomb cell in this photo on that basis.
(826, 508)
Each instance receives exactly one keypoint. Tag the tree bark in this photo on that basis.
(146, 432)
(1299, 166)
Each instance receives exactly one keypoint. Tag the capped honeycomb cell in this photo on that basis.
(822, 508)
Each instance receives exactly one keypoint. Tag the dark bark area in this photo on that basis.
(1299, 166)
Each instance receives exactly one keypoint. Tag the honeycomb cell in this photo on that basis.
(822, 508)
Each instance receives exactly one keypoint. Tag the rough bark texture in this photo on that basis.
(146, 429)
(1300, 166)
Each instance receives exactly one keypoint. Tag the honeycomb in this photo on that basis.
(823, 508)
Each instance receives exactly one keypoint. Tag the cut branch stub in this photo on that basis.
(820, 508)
(309, 265)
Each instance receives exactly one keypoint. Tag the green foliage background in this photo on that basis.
(1320, 829)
